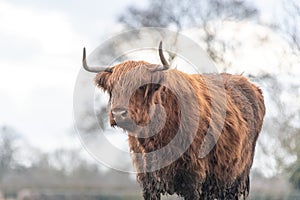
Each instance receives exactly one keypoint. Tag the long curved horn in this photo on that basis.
(88, 68)
(162, 57)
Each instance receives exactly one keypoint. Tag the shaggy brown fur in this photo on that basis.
(224, 172)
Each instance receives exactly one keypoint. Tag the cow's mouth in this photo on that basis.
(127, 125)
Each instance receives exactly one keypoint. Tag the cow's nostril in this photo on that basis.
(119, 113)
(123, 113)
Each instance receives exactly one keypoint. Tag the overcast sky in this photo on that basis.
(40, 55)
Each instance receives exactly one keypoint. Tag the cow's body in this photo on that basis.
(231, 111)
(224, 172)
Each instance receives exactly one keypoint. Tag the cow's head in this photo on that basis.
(135, 89)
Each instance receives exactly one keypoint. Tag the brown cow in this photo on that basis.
(223, 110)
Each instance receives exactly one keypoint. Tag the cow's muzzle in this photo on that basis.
(121, 119)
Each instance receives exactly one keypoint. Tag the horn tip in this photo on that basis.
(162, 58)
(84, 53)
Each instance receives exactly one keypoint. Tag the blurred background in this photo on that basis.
(41, 156)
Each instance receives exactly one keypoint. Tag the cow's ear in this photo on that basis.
(101, 80)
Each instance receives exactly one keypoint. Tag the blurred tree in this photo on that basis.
(291, 143)
(191, 14)
(285, 21)
(295, 177)
(7, 149)
(288, 22)
(282, 126)
(65, 160)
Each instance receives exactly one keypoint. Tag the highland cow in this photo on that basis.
(220, 113)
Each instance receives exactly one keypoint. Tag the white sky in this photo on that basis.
(40, 55)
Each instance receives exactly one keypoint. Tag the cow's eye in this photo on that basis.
(143, 87)
(156, 87)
